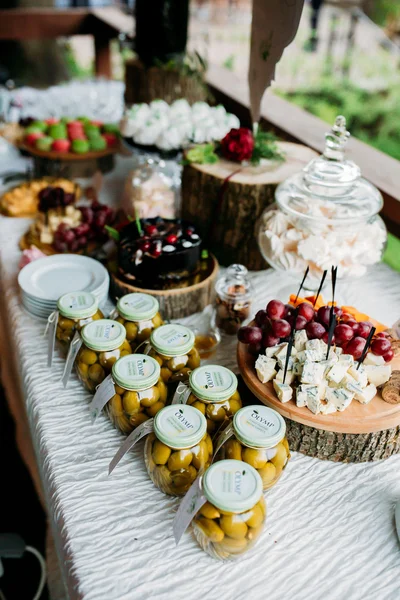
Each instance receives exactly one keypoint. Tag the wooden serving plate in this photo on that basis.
(360, 433)
(66, 156)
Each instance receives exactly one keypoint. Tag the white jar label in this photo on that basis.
(73, 350)
(182, 394)
(189, 506)
(104, 393)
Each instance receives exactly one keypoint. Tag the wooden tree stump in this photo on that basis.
(225, 200)
(146, 84)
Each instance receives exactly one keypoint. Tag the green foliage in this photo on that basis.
(265, 146)
(392, 252)
(384, 11)
(372, 117)
(201, 154)
(229, 63)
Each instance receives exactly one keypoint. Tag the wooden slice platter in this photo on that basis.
(357, 418)
(67, 156)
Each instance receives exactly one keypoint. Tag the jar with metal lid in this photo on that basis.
(178, 450)
(214, 393)
(135, 393)
(139, 314)
(103, 343)
(75, 310)
(173, 348)
(232, 518)
(257, 436)
(325, 215)
(233, 299)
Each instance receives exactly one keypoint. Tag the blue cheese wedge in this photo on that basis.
(281, 357)
(378, 375)
(270, 352)
(265, 368)
(314, 350)
(373, 359)
(313, 372)
(297, 368)
(289, 376)
(340, 397)
(367, 394)
(283, 391)
(300, 339)
(309, 395)
(360, 375)
(301, 397)
(337, 372)
(346, 359)
(301, 356)
(338, 350)
(351, 384)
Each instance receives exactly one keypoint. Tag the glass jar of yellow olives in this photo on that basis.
(178, 450)
(103, 343)
(257, 437)
(173, 348)
(214, 393)
(139, 393)
(230, 521)
(139, 314)
(75, 310)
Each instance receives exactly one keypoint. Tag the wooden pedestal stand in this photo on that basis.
(227, 207)
(359, 434)
(153, 83)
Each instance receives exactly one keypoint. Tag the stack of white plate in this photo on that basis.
(43, 281)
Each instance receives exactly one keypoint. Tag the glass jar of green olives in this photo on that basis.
(139, 314)
(103, 343)
(257, 437)
(139, 392)
(173, 348)
(75, 310)
(178, 450)
(233, 516)
(214, 393)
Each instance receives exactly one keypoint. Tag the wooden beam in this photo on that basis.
(34, 24)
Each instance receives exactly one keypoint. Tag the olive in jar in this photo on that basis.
(104, 342)
(139, 314)
(179, 449)
(75, 310)
(232, 519)
(172, 346)
(214, 393)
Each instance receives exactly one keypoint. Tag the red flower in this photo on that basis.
(238, 144)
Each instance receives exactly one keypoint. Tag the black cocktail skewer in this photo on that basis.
(302, 283)
(367, 343)
(320, 286)
(290, 343)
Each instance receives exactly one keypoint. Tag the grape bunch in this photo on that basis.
(54, 197)
(274, 325)
(92, 228)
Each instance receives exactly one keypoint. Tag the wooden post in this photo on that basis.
(102, 59)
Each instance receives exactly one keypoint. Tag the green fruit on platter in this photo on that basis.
(111, 128)
(44, 143)
(83, 119)
(80, 146)
(41, 125)
(97, 143)
(58, 132)
(32, 129)
(93, 135)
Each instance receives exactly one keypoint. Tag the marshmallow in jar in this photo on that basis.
(325, 215)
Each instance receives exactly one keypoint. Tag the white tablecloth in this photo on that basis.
(330, 531)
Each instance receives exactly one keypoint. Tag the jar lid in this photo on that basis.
(234, 285)
(330, 188)
(213, 383)
(77, 305)
(259, 426)
(172, 340)
(180, 426)
(232, 485)
(137, 307)
(136, 372)
(103, 335)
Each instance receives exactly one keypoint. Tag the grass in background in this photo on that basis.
(392, 253)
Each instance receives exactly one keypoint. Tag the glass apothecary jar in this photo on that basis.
(233, 295)
(257, 436)
(324, 216)
(139, 314)
(103, 343)
(173, 348)
(214, 393)
(75, 310)
(136, 393)
(232, 519)
(178, 450)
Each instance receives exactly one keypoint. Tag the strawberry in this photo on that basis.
(111, 139)
(61, 145)
(31, 138)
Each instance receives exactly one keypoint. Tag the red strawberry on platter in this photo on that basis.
(61, 145)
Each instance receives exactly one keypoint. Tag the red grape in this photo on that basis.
(363, 328)
(326, 336)
(100, 219)
(82, 241)
(355, 347)
(171, 238)
(281, 328)
(288, 310)
(60, 246)
(301, 322)
(74, 246)
(388, 356)
(255, 349)
(338, 311)
(306, 311)
(62, 228)
(353, 325)
(82, 229)
(346, 317)
(87, 214)
(380, 346)
(315, 330)
(324, 315)
(261, 318)
(69, 236)
(269, 340)
(343, 333)
(382, 334)
(151, 229)
(250, 335)
(276, 309)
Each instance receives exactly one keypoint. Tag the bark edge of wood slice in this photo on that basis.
(361, 433)
(175, 303)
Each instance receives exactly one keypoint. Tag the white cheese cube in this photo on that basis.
(300, 339)
(322, 389)
(360, 375)
(346, 359)
(301, 397)
(313, 372)
(282, 362)
(352, 385)
(265, 368)
(338, 350)
(373, 359)
(281, 354)
(289, 376)
(308, 395)
(367, 394)
(297, 368)
(327, 364)
(378, 375)
(324, 348)
(301, 356)
(283, 391)
(314, 350)
(270, 352)
(340, 397)
(328, 408)
(337, 372)
(46, 237)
